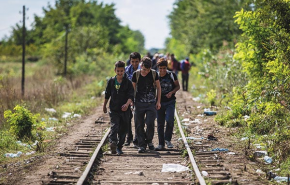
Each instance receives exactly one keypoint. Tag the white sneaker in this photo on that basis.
(169, 144)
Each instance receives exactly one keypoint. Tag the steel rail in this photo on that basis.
(194, 165)
(92, 160)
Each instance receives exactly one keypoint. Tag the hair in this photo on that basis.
(162, 62)
(146, 62)
(135, 55)
(172, 54)
(119, 64)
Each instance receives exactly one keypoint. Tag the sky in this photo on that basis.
(147, 16)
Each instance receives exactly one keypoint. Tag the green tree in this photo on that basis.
(204, 24)
(47, 32)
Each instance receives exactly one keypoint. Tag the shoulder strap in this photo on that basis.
(154, 76)
(138, 72)
(154, 82)
(171, 75)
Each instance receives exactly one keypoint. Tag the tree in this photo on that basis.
(76, 15)
(205, 24)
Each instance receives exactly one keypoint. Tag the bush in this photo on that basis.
(22, 122)
(211, 97)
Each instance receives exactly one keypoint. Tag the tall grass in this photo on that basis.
(42, 89)
(77, 94)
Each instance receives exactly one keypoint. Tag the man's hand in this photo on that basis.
(169, 95)
(125, 107)
(158, 106)
(104, 109)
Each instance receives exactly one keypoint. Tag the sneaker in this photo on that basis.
(127, 143)
(119, 151)
(211, 137)
(135, 144)
(159, 148)
(169, 144)
(151, 146)
(113, 147)
(141, 150)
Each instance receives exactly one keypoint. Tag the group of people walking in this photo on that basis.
(151, 93)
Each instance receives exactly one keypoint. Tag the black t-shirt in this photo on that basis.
(167, 85)
(146, 92)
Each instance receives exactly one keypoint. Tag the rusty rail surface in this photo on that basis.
(194, 165)
(85, 174)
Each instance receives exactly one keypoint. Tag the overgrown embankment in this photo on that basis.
(250, 82)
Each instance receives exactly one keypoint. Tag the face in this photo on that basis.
(145, 70)
(135, 62)
(162, 70)
(120, 71)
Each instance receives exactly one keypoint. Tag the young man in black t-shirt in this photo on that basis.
(145, 83)
(169, 86)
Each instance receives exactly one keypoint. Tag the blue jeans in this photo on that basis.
(166, 113)
(142, 110)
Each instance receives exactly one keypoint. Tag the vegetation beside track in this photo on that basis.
(246, 70)
(96, 40)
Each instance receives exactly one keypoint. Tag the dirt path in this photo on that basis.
(38, 169)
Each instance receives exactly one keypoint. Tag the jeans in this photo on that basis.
(142, 110)
(185, 81)
(166, 113)
(119, 127)
(130, 134)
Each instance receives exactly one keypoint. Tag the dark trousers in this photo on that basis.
(165, 113)
(142, 110)
(119, 127)
(185, 81)
(130, 134)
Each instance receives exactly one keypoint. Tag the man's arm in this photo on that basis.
(177, 87)
(158, 104)
(130, 97)
(105, 105)
(107, 96)
(126, 105)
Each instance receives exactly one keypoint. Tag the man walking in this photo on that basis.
(145, 83)
(135, 59)
(120, 90)
(185, 67)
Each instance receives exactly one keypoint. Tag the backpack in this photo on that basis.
(182, 65)
(171, 75)
(138, 73)
(178, 66)
(185, 66)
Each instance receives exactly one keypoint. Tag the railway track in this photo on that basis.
(80, 155)
(208, 163)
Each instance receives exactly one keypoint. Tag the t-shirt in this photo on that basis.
(146, 92)
(167, 85)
